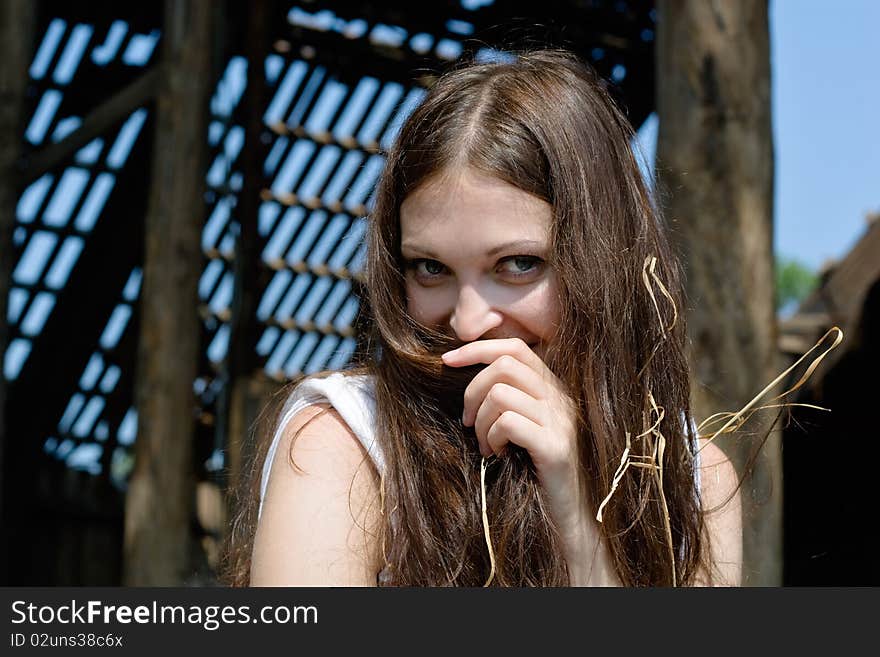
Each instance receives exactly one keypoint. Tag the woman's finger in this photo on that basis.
(487, 351)
(501, 398)
(511, 427)
(506, 369)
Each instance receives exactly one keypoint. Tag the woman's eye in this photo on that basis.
(520, 265)
(426, 268)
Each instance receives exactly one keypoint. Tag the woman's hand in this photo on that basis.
(517, 399)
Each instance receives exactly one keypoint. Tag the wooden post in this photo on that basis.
(244, 379)
(16, 49)
(715, 166)
(159, 504)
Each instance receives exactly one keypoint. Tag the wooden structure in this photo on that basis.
(830, 499)
(160, 500)
(303, 99)
(715, 162)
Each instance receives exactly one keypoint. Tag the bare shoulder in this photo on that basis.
(718, 476)
(722, 508)
(320, 515)
(316, 437)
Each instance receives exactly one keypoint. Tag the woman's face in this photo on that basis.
(475, 251)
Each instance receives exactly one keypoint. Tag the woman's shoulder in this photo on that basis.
(318, 492)
(318, 434)
(722, 506)
(352, 397)
(717, 474)
(338, 408)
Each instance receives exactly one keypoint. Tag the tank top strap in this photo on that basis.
(352, 396)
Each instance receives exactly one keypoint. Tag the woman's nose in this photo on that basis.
(473, 315)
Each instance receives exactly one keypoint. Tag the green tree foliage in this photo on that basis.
(794, 281)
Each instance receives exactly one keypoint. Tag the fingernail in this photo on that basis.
(449, 354)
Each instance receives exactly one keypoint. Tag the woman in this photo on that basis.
(526, 346)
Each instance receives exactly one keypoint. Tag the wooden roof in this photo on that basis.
(341, 77)
(838, 300)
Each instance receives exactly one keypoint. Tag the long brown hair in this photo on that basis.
(545, 124)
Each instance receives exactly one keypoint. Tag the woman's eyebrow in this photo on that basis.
(515, 245)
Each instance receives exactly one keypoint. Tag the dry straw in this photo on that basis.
(654, 460)
(486, 521)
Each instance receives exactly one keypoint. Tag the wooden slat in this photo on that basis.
(99, 121)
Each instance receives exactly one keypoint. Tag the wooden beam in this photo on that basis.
(16, 48)
(715, 162)
(97, 123)
(159, 504)
(250, 276)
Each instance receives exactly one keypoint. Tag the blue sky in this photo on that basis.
(826, 104)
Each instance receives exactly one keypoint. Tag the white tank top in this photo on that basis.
(352, 396)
